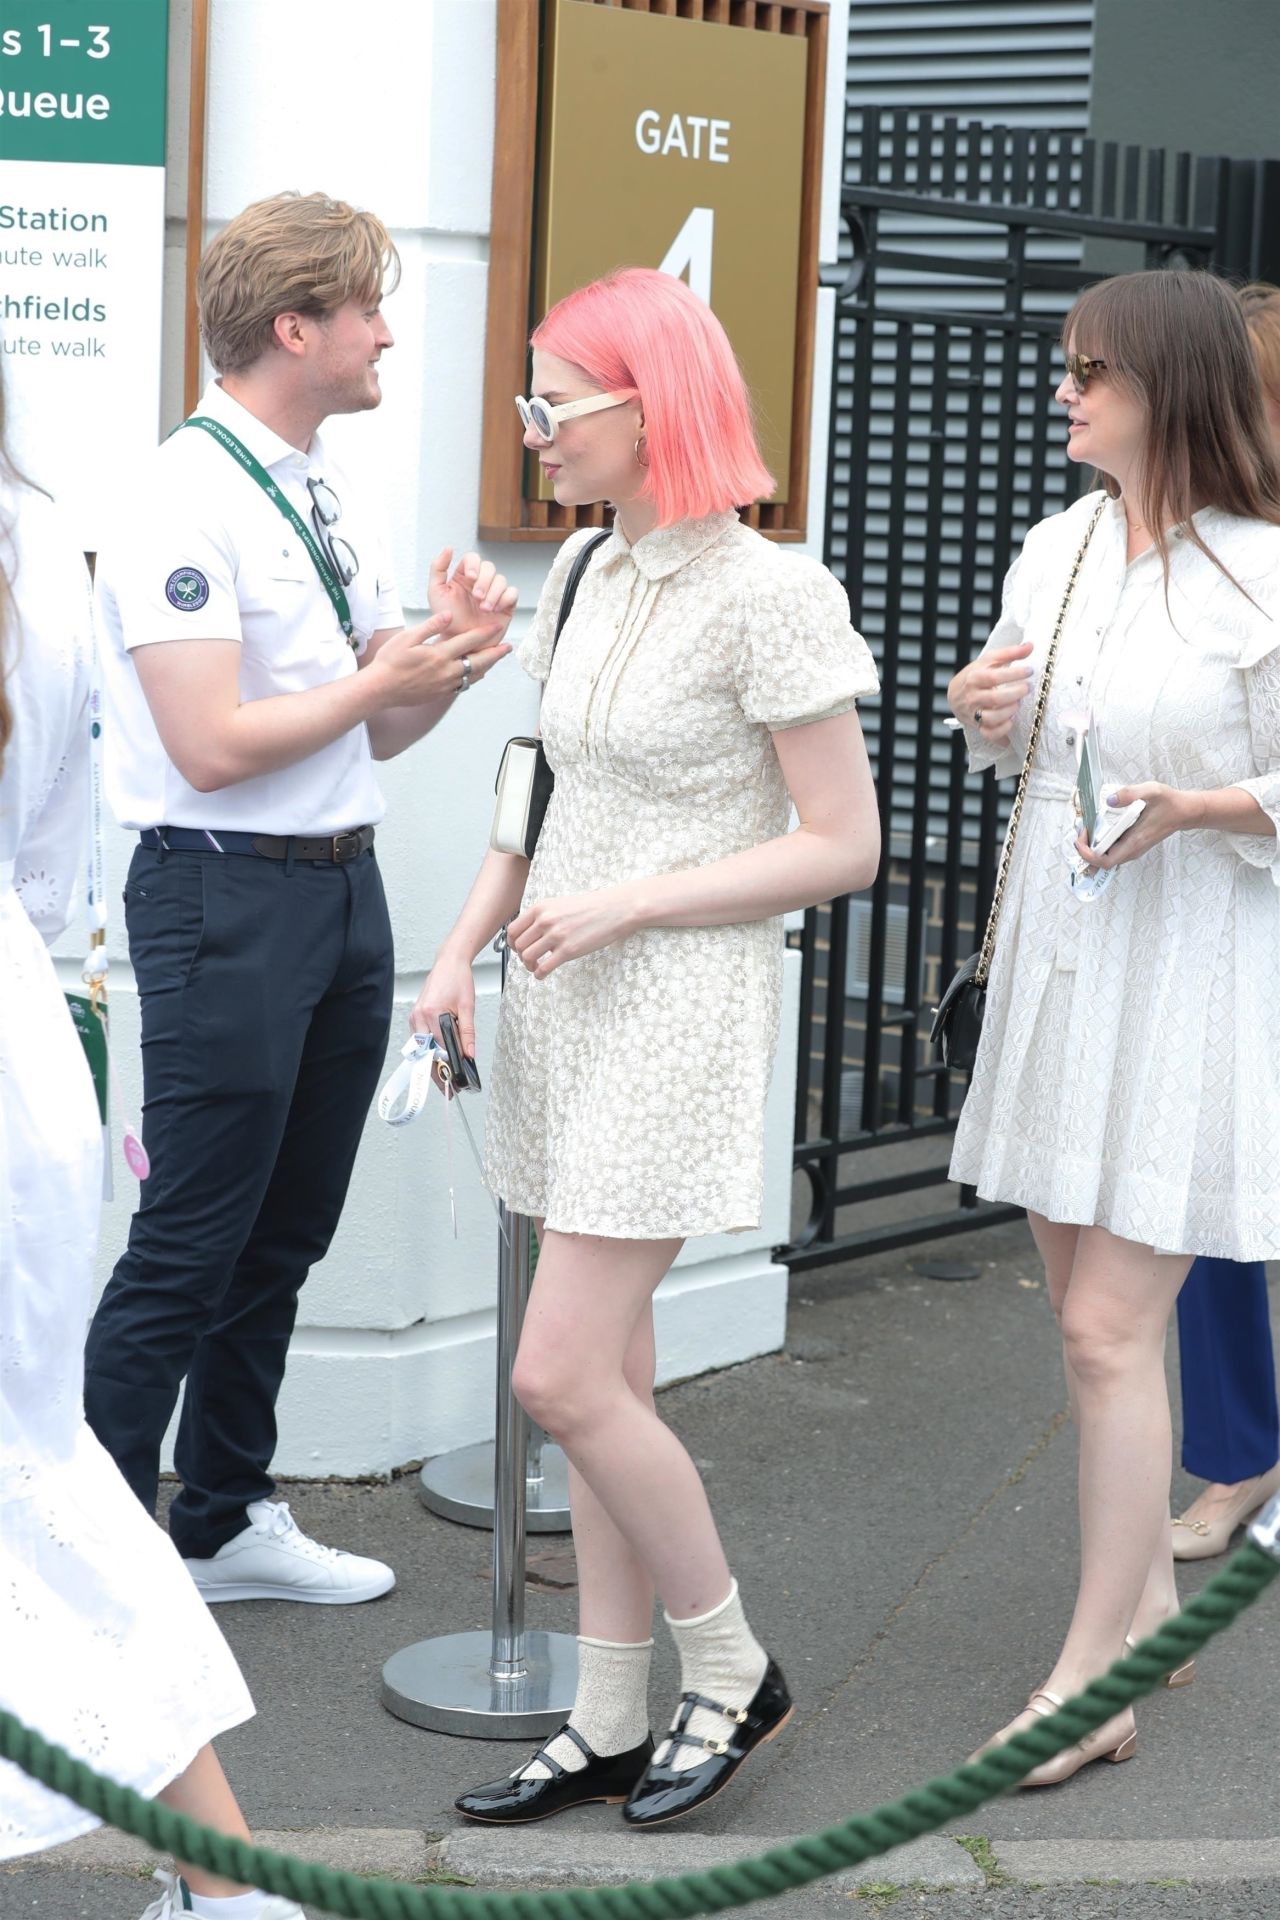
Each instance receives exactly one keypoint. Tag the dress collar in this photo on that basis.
(1204, 520)
(262, 441)
(664, 551)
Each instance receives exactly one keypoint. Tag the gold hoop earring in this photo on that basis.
(642, 459)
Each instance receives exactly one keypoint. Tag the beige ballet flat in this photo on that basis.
(1177, 1676)
(1205, 1529)
(1051, 1773)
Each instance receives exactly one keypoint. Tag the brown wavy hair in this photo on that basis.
(1260, 304)
(1177, 343)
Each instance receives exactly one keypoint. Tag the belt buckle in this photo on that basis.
(345, 846)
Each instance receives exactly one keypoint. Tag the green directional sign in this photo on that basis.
(83, 80)
(82, 149)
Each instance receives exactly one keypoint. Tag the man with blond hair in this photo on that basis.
(256, 663)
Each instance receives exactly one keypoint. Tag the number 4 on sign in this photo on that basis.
(690, 252)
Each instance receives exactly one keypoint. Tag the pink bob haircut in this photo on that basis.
(644, 331)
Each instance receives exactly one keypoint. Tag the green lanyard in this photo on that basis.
(256, 471)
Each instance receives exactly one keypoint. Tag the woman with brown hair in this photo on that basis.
(1126, 1090)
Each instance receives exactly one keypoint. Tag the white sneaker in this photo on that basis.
(274, 1560)
(175, 1900)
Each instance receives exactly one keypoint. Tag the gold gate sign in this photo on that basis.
(683, 143)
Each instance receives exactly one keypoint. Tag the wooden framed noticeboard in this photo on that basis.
(679, 134)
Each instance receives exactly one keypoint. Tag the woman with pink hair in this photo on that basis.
(704, 684)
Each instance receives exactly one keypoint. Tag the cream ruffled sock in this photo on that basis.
(610, 1707)
(721, 1658)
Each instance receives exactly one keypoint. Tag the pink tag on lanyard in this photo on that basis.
(137, 1159)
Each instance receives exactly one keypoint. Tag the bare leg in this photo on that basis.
(1114, 1315)
(1113, 1300)
(588, 1296)
(1114, 1322)
(202, 1792)
(615, 1591)
(1057, 1244)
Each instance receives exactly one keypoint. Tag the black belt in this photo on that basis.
(268, 846)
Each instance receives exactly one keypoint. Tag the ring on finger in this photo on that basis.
(465, 681)
(977, 716)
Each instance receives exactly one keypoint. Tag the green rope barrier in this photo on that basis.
(921, 1811)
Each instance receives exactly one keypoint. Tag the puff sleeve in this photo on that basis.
(1262, 692)
(1009, 631)
(534, 651)
(1240, 617)
(798, 657)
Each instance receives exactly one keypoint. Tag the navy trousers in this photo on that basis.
(265, 991)
(1230, 1422)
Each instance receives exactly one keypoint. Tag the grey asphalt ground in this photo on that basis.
(896, 1495)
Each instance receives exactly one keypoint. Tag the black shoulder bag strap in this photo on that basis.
(581, 561)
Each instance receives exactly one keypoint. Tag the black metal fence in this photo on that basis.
(963, 248)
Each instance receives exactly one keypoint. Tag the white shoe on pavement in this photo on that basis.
(274, 1560)
(175, 1900)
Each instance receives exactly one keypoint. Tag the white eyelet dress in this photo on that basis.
(1129, 1070)
(105, 1645)
(628, 1087)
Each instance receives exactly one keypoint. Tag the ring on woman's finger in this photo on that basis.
(977, 716)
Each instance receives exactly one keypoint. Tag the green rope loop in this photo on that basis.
(921, 1811)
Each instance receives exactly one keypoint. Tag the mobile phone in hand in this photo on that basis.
(1111, 821)
(462, 1067)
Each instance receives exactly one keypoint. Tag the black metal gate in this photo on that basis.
(963, 247)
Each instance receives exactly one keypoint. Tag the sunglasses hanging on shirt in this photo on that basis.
(326, 511)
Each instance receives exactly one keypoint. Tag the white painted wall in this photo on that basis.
(393, 1355)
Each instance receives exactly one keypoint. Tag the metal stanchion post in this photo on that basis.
(459, 1485)
(505, 1684)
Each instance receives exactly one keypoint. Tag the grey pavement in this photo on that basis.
(896, 1495)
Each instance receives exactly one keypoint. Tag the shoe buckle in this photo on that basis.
(740, 1717)
(716, 1746)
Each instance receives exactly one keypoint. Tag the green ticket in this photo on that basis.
(91, 1025)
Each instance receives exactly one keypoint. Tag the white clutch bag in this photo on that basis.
(523, 788)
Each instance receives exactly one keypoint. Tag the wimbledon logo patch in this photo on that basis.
(187, 589)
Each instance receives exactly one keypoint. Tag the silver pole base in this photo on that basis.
(445, 1684)
(459, 1486)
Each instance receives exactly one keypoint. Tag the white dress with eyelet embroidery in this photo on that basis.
(105, 1645)
(1129, 1069)
(628, 1087)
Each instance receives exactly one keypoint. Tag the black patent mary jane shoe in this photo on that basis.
(515, 1799)
(665, 1793)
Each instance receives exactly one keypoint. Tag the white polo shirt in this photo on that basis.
(201, 553)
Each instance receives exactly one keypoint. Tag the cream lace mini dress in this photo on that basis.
(628, 1088)
(1129, 1070)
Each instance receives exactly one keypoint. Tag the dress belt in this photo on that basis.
(267, 846)
(1044, 785)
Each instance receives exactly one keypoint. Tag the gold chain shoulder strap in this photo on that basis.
(1033, 741)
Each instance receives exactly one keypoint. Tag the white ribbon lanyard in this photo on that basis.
(96, 964)
(422, 1061)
